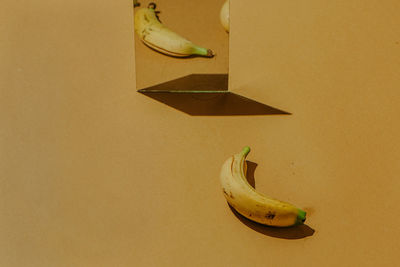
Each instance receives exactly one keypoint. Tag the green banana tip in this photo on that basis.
(210, 53)
(301, 216)
(201, 51)
(246, 150)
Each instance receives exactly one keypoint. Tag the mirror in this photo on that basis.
(178, 38)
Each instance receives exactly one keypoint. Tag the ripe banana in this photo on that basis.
(251, 204)
(224, 15)
(157, 36)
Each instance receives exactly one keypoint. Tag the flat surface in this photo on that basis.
(93, 173)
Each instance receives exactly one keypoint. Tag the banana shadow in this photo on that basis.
(251, 169)
(294, 232)
(206, 95)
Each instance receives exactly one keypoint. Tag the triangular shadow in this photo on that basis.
(192, 83)
(207, 95)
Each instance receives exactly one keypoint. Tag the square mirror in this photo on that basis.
(178, 38)
(182, 57)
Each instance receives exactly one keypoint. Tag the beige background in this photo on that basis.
(94, 174)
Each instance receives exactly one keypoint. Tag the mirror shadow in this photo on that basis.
(293, 232)
(192, 83)
(207, 95)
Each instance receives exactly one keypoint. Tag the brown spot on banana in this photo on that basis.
(144, 33)
(228, 194)
(270, 215)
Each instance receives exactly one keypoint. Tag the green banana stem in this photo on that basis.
(246, 151)
(301, 217)
(197, 50)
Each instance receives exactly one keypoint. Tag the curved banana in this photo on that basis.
(251, 204)
(224, 15)
(157, 36)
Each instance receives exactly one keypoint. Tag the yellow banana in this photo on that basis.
(251, 204)
(157, 36)
(224, 15)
